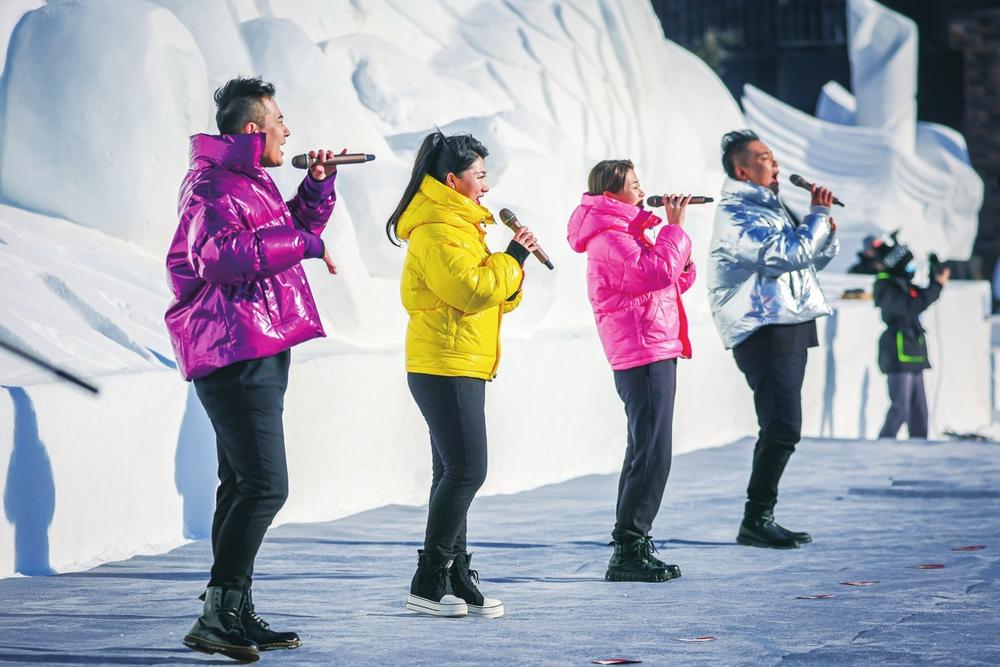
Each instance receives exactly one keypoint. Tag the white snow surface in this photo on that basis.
(893, 172)
(874, 509)
(551, 88)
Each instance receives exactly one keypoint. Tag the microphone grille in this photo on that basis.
(300, 161)
(507, 217)
(798, 180)
(654, 200)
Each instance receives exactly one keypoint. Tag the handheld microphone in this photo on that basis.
(657, 200)
(305, 162)
(508, 218)
(806, 185)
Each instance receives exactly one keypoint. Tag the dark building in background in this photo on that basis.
(791, 48)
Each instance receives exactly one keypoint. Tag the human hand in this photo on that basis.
(821, 197)
(526, 239)
(330, 266)
(319, 171)
(675, 206)
(943, 276)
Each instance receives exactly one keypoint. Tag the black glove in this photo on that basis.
(517, 251)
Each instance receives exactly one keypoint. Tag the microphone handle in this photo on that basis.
(659, 200)
(303, 161)
(806, 185)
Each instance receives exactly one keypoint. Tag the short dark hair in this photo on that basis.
(734, 144)
(608, 176)
(238, 102)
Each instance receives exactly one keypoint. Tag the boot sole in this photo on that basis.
(210, 647)
(431, 608)
(278, 646)
(496, 611)
(748, 542)
(629, 577)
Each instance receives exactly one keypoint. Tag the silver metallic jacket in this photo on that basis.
(762, 268)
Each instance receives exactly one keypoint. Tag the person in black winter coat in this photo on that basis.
(902, 349)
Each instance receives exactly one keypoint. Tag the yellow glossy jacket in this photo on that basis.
(455, 290)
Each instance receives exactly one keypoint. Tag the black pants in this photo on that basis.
(909, 405)
(648, 393)
(245, 401)
(455, 411)
(777, 394)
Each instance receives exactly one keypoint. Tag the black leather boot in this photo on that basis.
(220, 630)
(801, 538)
(760, 530)
(463, 583)
(629, 563)
(258, 630)
(649, 549)
(429, 590)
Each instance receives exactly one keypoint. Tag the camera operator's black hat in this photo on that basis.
(894, 256)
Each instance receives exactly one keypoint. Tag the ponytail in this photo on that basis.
(438, 156)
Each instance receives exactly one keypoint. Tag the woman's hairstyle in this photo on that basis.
(734, 145)
(438, 156)
(608, 176)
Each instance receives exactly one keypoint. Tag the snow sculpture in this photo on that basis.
(892, 171)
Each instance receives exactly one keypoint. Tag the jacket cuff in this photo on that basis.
(315, 248)
(517, 251)
(318, 190)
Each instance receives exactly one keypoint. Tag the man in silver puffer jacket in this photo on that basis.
(765, 298)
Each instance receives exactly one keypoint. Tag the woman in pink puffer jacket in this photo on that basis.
(635, 288)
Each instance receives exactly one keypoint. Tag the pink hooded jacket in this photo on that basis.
(234, 266)
(635, 286)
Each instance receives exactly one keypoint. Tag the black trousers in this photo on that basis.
(455, 411)
(909, 405)
(648, 393)
(245, 401)
(777, 394)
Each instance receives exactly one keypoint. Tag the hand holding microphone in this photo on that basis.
(524, 237)
(675, 206)
(322, 163)
(820, 196)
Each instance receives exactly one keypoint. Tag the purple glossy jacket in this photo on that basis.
(234, 265)
(635, 286)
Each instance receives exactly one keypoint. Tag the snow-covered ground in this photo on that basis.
(875, 510)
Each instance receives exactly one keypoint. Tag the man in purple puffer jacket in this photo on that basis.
(241, 301)
(635, 288)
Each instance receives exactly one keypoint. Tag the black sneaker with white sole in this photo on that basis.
(429, 590)
(463, 583)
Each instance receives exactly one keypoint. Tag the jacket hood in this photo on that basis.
(597, 213)
(240, 152)
(436, 202)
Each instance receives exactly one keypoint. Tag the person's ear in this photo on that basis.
(451, 181)
(250, 127)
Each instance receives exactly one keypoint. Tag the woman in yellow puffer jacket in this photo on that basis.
(456, 292)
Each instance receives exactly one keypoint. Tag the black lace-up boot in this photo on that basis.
(463, 583)
(220, 630)
(649, 549)
(257, 629)
(429, 590)
(629, 563)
